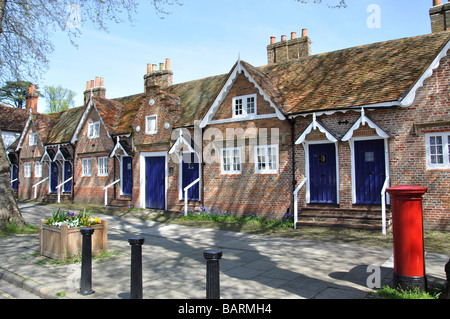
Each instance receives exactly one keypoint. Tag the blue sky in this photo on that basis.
(205, 37)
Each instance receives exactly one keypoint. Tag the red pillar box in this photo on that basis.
(407, 224)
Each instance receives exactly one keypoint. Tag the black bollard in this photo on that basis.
(212, 273)
(86, 261)
(136, 267)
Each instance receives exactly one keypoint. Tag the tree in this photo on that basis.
(26, 26)
(14, 93)
(58, 98)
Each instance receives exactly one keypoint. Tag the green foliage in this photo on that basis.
(58, 98)
(218, 216)
(387, 292)
(14, 93)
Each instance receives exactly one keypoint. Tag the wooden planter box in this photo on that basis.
(58, 243)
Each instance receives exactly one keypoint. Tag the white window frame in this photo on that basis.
(432, 150)
(86, 167)
(94, 130)
(37, 169)
(102, 166)
(27, 169)
(147, 128)
(230, 157)
(267, 159)
(246, 99)
(32, 140)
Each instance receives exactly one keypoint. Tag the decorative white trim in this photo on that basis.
(409, 98)
(238, 69)
(83, 121)
(117, 147)
(313, 126)
(24, 132)
(363, 120)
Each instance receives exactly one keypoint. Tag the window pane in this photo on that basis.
(238, 107)
(251, 105)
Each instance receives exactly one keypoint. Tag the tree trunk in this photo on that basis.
(2, 13)
(9, 211)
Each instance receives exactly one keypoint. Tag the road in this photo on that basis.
(10, 291)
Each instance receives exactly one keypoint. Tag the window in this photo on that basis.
(94, 130)
(102, 166)
(32, 139)
(266, 159)
(151, 126)
(37, 169)
(27, 169)
(438, 150)
(244, 105)
(231, 160)
(86, 167)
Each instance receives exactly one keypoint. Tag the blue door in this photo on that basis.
(369, 171)
(155, 174)
(67, 188)
(322, 173)
(54, 174)
(127, 175)
(14, 177)
(191, 169)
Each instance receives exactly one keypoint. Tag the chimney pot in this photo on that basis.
(149, 68)
(153, 67)
(272, 40)
(101, 82)
(88, 85)
(32, 99)
(161, 66)
(304, 32)
(92, 84)
(293, 35)
(437, 3)
(283, 38)
(96, 81)
(167, 64)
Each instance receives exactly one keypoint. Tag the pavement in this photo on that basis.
(173, 267)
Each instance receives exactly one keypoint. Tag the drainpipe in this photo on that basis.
(73, 174)
(294, 182)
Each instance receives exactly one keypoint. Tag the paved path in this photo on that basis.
(252, 266)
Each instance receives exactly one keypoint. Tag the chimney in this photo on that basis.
(94, 87)
(32, 99)
(158, 79)
(286, 50)
(440, 16)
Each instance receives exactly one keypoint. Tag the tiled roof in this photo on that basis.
(12, 119)
(130, 106)
(109, 112)
(374, 73)
(196, 97)
(363, 75)
(64, 126)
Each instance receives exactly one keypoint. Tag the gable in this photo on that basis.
(239, 69)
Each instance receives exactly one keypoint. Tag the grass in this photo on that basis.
(13, 228)
(387, 292)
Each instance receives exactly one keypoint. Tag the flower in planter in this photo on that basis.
(72, 219)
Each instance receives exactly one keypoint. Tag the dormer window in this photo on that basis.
(33, 139)
(244, 106)
(94, 130)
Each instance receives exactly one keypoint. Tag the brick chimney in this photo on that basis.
(287, 50)
(32, 99)
(158, 78)
(96, 87)
(440, 16)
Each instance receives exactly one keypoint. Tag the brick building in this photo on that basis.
(318, 137)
